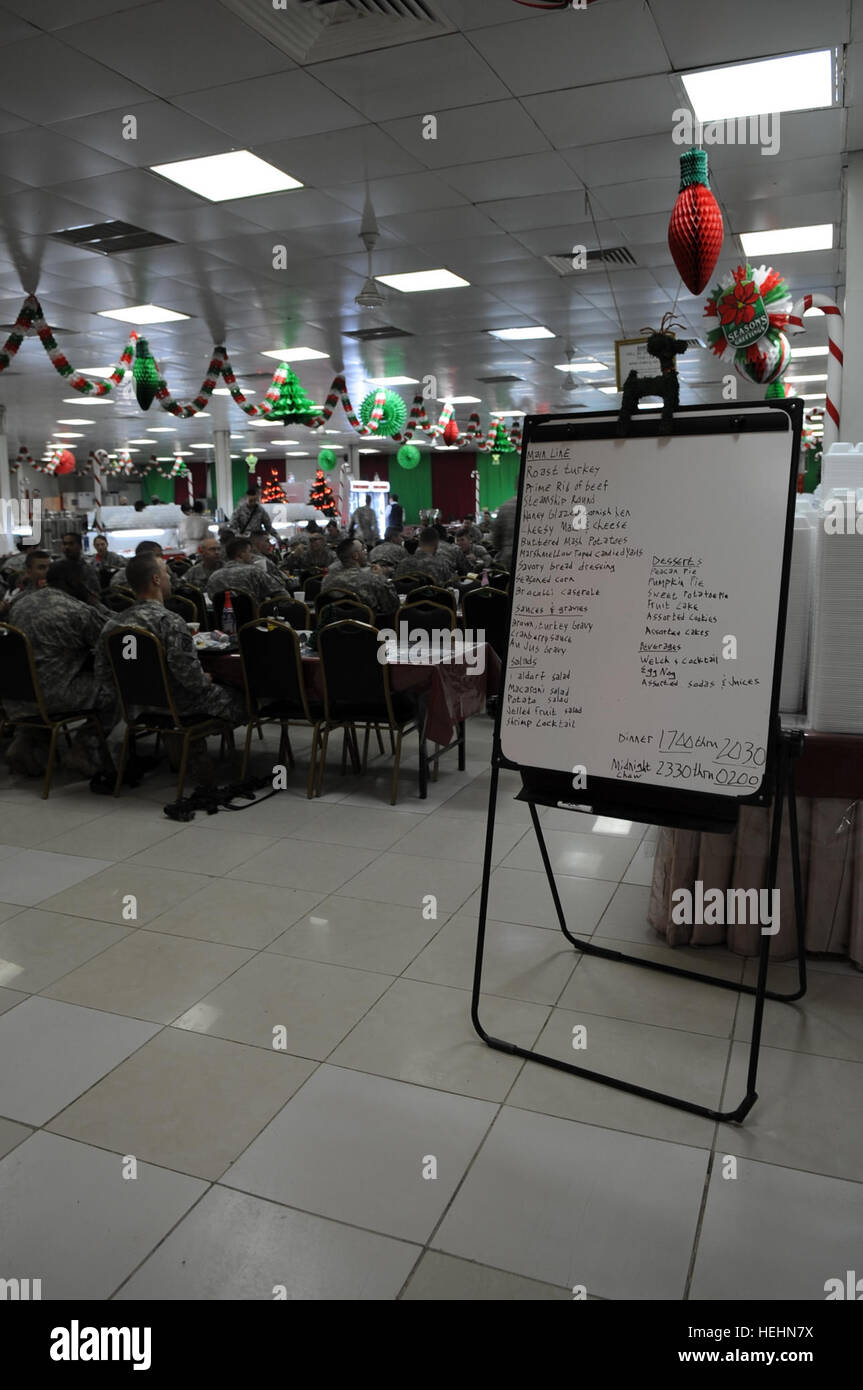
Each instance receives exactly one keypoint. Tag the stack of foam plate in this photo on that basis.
(842, 466)
(835, 698)
(793, 688)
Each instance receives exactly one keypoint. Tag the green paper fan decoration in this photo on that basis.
(327, 460)
(146, 374)
(394, 417)
(408, 456)
(502, 444)
(293, 406)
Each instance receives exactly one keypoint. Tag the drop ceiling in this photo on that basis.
(535, 110)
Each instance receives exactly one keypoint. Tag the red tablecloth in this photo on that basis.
(454, 690)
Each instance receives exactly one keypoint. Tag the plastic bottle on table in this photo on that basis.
(229, 620)
(484, 580)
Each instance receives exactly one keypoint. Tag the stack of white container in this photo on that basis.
(792, 692)
(835, 683)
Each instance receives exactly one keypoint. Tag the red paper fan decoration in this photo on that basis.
(451, 432)
(695, 231)
(65, 464)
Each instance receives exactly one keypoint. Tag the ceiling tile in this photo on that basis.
(163, 134)
(177, 46)
(773, 180)
(359, 152)
(469, 133)
(693, 43)
(35, 212)
(300, 207)
(40, 157)
(437, 74)
(620, 161)
(614, 110)
(408, 193)
(10, 122)
(130, 195)
(647, 195)
(264, 109)
(444, 223)
(535, 174)
(548, 51)
(520, 214)
(58, 14)
(77, 86)
(13, 27)
(802, 135)
(799, 210)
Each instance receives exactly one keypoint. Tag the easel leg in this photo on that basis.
(549, 873)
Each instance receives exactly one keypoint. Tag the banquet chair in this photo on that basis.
(117, 600)
(311, 588)
(143, 684)
(179, 567)
(293, 611)
(425, 615)
(432, 593)
(487, 611)
(244, 606)
(196, 596)
(19, 683)
(406, 583)
(357, 690)
(275, 689)
(184, 607)
(342, 608)
(499, 579)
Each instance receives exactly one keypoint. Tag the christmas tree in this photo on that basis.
(273, 491)
(321, 495)
(293, 406)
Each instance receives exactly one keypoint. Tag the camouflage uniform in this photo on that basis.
(250, 517)
(192, 692)
(503, 533)
(366, 524)
(244, 579)
(315, 557)
(63, 634)
(369, 588)
(87, 575)
(263, 562)
(452, 556)
(198, 575)
(112, 560)
(438, 570)
(387, 553)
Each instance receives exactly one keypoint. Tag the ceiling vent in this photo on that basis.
(498, 380)
(617, 256)
(371, 335)
(311, 31)
(108, 238)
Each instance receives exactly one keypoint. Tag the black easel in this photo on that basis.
(788, 748)
(670, 807)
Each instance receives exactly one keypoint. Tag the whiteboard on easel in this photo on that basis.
(648, 599)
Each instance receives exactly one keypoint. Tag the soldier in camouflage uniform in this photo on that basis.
(240, 576)
(503, 533)
(262, 556)
(366, 582)
(390, 551)
(192, 689)
(211, 560)
(119, 580)
(103, 557)
(250, 516)
(425, 560)
(36, 568)
(453, 558)
(73, 552)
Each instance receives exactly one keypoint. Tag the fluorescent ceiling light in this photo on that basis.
(76, 422)
(303, 455)
(580, 367)
(794, 82)
(413, 281)
(300, 354)
(91, 400)
(460, 400)
(509, 412)
(200, 446)
(161, 429)
(808, 376)
(239, 174)
(809, 351)
(332, 431)
(182, 454)
(134, 451)
(66, 434)
(142, 313)
(520, 334)
(810, 396)
(256, 451)
(202, 415)
(394, 380)
(141, 441)
(92, 371)
(165, 458)
(785, 241)
(224, 391)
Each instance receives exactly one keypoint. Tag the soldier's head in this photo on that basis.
(71, 545)
(253, 493)
(464, 541)
(37, 565)
(198, 507)
(148, 577)
(240, 548)
(429, 540)
(351, 554)
(261, 543)
(393, 535)
(100, 545)
(332, 528)
(211, 553)
(148, 548)
(66, 576)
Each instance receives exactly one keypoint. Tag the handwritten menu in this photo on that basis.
(646, 598)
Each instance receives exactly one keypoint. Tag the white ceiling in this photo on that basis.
(532, 110)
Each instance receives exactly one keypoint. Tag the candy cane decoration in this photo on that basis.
(475, 476)
(835, 360)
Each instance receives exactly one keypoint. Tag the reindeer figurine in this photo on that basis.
(663, 345)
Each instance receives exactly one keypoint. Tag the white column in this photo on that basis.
(6, 537)
(224, 483)
(851, 408)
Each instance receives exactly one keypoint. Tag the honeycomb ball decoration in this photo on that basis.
(408, 456)
(764, 361)
(65, 463)
(695, 231)
(327, 460)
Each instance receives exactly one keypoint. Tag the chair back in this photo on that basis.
(432, 593)
(430, 617)
(244, 606)
(487, 610)
(342, 609)
(196, 597)
(19, 680)
(116, 600)
(184, 607)
(272, 669)
(355, 683)
(294, 613)
(406, 583)
(179, 567)
(499, 579)
(311, 588)
(139, 671)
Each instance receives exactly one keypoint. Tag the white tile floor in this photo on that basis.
(266, 1013)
